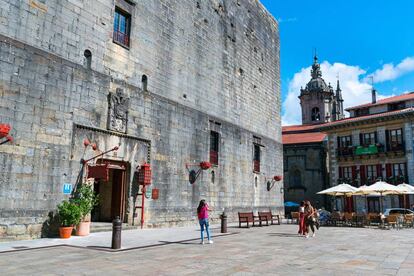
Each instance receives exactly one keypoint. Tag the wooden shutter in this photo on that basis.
(387, 140)
(379, 170)
(388, 170)
(353, 173)
(405, 173)
(362, 174)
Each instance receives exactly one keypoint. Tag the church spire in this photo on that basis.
(316, 69)
(340, 101)
(338, 91)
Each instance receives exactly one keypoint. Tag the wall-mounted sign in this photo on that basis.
(67, 188)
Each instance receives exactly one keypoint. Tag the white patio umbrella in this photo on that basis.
(362, 190)
(339, 190)
(406, 189)
(383, 188)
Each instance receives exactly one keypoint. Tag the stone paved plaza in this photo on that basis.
(273, 250)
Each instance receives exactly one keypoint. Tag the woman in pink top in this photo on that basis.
(202, 213)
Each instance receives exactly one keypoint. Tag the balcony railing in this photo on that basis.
(397, 179)
(353, 182)
(346, 151)
(360, 150)
(121, 38)
(213, 157)
(256, 166)
(396, 146)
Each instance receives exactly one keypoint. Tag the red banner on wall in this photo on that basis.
(98, 171)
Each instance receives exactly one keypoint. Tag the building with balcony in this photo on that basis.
(374, 143)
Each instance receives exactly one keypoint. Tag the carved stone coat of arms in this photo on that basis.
(118, 105)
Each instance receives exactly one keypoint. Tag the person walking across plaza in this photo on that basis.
(309, 219)
(317, 220)
(202, 213)
(302, 228)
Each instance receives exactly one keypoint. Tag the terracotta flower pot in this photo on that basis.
(83, 228)
(65, 232)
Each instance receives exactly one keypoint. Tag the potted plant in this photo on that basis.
(69, 215)
(86, 200)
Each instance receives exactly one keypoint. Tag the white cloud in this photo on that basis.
(391, 72)
(287, 20)
(355, 90)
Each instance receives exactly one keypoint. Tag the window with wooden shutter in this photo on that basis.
(388, 170)
(379, 171)
(354, 174)
(256, 158)
(395, 140)
(122, 27)
(362, 174)
(214, 147)
(387, 140)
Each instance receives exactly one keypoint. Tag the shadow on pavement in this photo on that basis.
(288, 235)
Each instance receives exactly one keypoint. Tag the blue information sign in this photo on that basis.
(67, 188)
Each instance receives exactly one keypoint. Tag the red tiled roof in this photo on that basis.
(302, 138)
(298, 128)
(367, 117)
(399, 98)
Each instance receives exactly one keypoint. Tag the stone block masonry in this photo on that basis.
(211, 65)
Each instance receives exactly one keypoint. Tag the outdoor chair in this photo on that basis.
(337, 218)
(408, 220)
(359, 220)
(373, 219)
(348, 218)
(392, 221)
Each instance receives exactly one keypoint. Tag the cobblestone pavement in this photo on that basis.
(273, 250)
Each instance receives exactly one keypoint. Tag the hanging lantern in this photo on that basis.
(86, 142)
(277, 177)
(205, 165)
(155, 194)
(144, 174)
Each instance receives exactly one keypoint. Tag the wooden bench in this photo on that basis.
(268, 216)
(295, 217)
(247, 218)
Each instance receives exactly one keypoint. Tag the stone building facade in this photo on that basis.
(304, 146)
(375, 143)
(305, 165)
(163, 80)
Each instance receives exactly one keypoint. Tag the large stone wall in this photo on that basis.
(207, 62)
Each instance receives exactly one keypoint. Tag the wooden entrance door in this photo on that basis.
(112, 193)
(118, 194)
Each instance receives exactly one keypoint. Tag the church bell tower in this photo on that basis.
(318, 101)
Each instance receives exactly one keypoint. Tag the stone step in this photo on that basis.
(107, 227)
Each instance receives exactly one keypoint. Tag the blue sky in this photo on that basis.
(354, 39)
